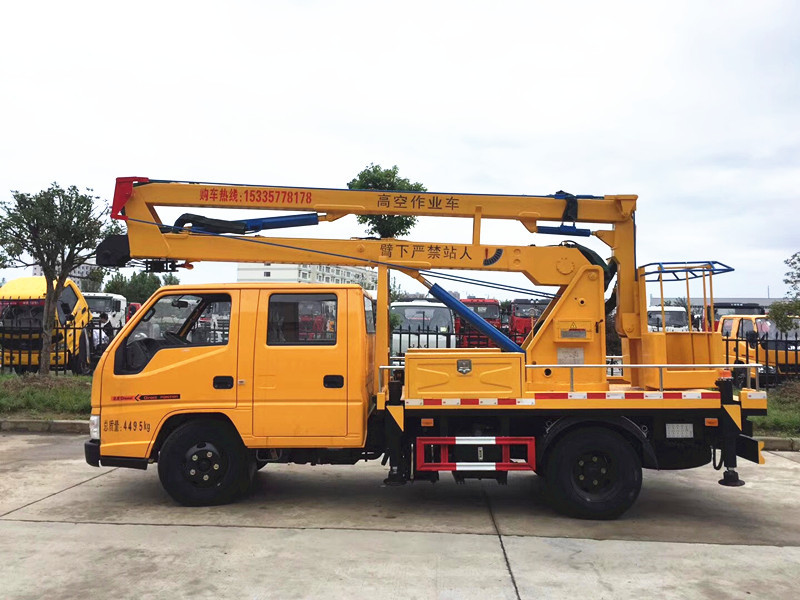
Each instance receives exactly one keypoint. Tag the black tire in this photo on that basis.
(196, 481)
(593, 473)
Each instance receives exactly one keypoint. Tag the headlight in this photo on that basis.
(94, 427)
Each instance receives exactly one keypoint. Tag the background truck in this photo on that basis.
(667, 318)
(422, 324)
(210, 410)
(22, 318)
(757, 339)
(114, 305)
(470, 337)
(524, 312)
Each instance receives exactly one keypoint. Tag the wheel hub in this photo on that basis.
(593, 471)
(204, 465)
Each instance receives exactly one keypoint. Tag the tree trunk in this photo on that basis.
(48, 323)
(54, 289)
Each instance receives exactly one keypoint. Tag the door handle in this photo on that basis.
(223, 382)
(333, 381)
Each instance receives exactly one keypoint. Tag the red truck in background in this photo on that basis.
(524, 312)
(489, 309)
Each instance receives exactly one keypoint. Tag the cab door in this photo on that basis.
(300, 364)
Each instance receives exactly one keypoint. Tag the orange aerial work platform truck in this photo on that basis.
(212, 382)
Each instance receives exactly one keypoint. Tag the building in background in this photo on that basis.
(78, 275)
(306, 273)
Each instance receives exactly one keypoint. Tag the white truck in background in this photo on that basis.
(667, 318)
(421, 324)
(114, 305)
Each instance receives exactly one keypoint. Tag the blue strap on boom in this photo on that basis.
(473, 319)
(300, 220)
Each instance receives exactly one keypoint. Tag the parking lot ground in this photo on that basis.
(73, 531)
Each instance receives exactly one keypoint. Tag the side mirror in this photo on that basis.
(752, 338)
(69, 318)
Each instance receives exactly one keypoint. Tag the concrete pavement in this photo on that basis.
(72, 531)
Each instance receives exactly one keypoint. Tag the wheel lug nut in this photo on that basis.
(205, 477)
(580, 463)
(216, 467)
(194, 457)
(603, 470)
(594, 459)
(192, 472)
(580, 477)
(594, 482)
(208, 454)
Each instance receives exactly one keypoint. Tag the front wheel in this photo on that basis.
(204, 463)
(593, 473)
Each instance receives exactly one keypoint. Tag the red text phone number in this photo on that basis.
(235, 195)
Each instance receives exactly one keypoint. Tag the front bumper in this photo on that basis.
(91, 449)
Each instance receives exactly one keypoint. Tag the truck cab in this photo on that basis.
(757, 339)
(523, 313)
(667, 318)
(21, 320)
(422, 324)
(291, 368)
(486, 308)
(113, 305)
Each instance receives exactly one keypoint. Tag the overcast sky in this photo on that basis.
(695, 106)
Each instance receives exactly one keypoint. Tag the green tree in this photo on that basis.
(376, 178)
(793, 274)
(140, 286)
(170, 279)
(784, 312)
(93, 282)
(57, 229)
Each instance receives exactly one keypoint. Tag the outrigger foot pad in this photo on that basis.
(395, 478)
(730, 478)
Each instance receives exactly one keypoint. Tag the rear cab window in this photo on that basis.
(302, 320)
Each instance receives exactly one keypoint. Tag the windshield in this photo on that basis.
(22, 314)
(99, 304)
(487, 311)
(421, 318)
(526, 310)
(768, 329)
(673, 318)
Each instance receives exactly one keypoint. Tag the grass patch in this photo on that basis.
(783, 406)
(54, 397)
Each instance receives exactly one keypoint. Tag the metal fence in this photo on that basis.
(778, 356)
(77, 349)
(403, 339)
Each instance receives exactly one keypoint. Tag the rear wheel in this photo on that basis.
(593, 473)
(203, 463)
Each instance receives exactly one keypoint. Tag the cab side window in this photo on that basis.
(66, 304)
(727, 328)
(302, 320)
(175, 321)
(745, 327)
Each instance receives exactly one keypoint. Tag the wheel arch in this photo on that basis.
(622, 425)
(176, 420)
